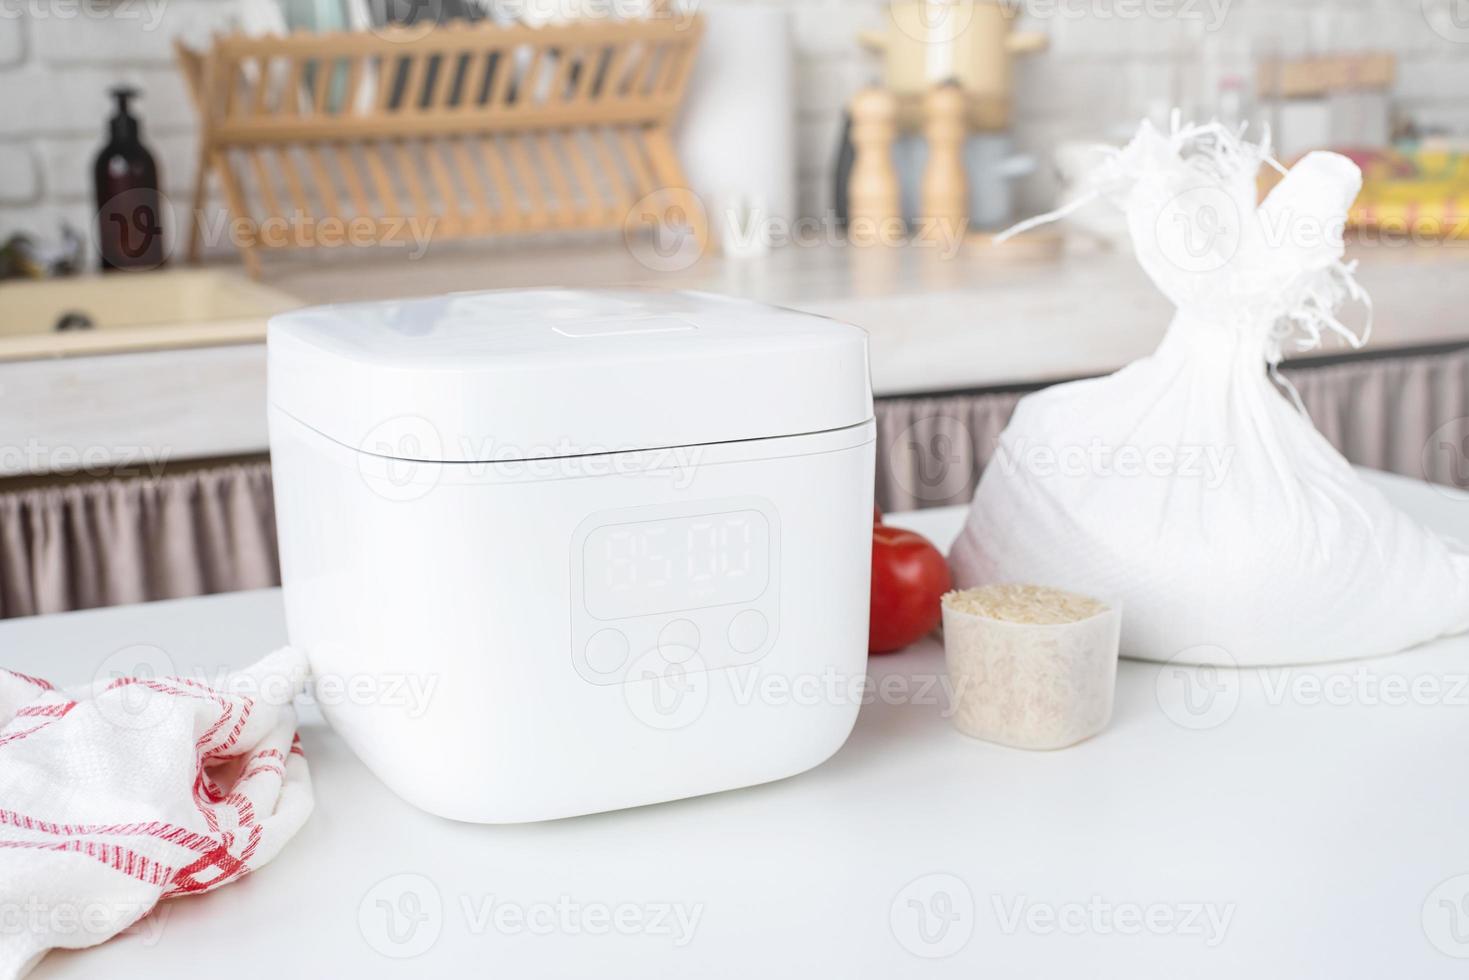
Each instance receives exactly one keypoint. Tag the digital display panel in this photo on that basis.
(649, 567)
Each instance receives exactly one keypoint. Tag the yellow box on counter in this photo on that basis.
(1422, 195)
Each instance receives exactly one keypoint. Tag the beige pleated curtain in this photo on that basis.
(107, 542)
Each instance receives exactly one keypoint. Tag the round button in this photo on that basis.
(606, 651)
(748, 630)
(678, 641)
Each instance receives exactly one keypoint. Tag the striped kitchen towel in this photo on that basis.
(138, 789)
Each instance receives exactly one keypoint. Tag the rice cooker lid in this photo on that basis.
(523, 374)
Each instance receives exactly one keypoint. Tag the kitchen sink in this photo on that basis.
(117, 312)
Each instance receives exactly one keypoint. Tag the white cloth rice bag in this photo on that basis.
(1187, 486)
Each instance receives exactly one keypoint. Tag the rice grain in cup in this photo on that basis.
(1031, 666)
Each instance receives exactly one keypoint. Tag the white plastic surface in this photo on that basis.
(471, 580)
(527, 374)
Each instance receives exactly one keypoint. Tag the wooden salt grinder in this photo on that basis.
(944, 195)
(872, 187)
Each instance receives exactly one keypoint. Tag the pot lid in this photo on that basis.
(526, 374)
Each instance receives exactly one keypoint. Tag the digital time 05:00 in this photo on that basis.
(680, 563)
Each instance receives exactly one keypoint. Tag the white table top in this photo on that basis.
(1260, 834)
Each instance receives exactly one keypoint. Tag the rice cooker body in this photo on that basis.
(538, 636)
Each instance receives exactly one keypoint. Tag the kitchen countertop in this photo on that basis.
(1271, 822)
(937, 323)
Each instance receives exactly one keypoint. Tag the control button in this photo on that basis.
(622, 326)
(748, 630)
(678, 641)
(606, 651)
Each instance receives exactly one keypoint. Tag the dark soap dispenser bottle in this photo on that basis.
(129, 207)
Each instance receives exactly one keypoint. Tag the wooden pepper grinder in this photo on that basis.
(944, 194)
(872, 188)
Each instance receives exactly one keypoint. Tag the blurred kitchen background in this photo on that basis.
(133, 455)
(1107, 63)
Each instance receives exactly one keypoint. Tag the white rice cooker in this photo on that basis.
(554, 552)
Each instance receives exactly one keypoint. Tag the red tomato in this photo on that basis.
(909, 576)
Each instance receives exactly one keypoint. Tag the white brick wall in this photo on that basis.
(1107, 63)
(20, 177)
(12, 42)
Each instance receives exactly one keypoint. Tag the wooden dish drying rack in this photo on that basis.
(460, 130)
